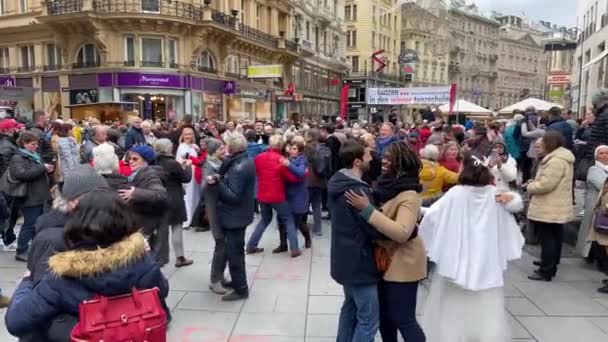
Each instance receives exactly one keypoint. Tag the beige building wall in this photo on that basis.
(473, 56)
(377, 26)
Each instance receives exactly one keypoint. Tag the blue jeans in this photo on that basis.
(316, 196)
(283, 215)
(30, 215)
(360, 314)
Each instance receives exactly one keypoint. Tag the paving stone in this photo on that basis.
(563, 329)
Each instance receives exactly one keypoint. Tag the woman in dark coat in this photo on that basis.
(106, 256)
(28, 167)
(176, 175)
(148, 198)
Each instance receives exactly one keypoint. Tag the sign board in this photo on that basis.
(212, 98)
(7, 81)
(284, 98)
(408, 56)
(558, 79)
(408, 68)
(229, 87)
(400, 96)
(251, 93)
(265, 71)
(136, 79)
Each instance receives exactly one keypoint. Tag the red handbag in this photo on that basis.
(135, 317)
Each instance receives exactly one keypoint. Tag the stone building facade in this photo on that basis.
(165, 58)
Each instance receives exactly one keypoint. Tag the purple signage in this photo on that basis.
(196, 83)
(135, 79)
(104, 80)
(7, 81)
(229, 87)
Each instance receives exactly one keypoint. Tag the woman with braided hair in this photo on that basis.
(470, 234)
(397, 196)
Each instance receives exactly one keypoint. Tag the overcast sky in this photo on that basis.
(560, 12)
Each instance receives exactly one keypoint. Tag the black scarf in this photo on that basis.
(230, 160)
(387, 187)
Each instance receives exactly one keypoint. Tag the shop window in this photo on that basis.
(53, 57)
(150, 6)
(87, 56)
(27, 58)
(206, 62)
(152, 52)
(129, 51)
(4, 65)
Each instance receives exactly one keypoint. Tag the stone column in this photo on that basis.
(274, 21)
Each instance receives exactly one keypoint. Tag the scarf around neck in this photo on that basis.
(601, 166)
(388, 187)
(33, 155)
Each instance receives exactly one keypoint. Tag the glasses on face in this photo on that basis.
(133, 159)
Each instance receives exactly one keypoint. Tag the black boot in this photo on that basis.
(305, 230)
(283, 237)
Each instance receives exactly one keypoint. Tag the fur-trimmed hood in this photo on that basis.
(91, 263)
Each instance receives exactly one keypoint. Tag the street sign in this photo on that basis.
(408, 77)
(408, 56)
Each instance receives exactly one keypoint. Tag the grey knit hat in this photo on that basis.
(213, 145)
(81, 180)
(599, 98)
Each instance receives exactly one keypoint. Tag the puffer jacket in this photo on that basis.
(78, 275)
(551, 189)
(150, 198)
(25, 169)
(295, 187)
(433, 178)
(67, 150)
(235, 191)
(8, 148)
(271, 177)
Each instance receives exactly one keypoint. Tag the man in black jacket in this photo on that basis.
(41, 122)
(352, 263)
(8, 148)
(235, 186)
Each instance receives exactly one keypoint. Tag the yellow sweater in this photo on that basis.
(433, 177)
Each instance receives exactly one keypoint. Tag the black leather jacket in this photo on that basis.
(8, 148)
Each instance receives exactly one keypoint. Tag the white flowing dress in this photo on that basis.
(192, 190)
(470, 237)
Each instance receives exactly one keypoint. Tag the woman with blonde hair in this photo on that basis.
(188, 150)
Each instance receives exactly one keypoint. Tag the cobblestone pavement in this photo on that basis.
(295, 300)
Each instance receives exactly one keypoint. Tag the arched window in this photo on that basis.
(87, 57)
(206, 62)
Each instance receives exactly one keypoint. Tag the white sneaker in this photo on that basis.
(217, 288)
(10, 248)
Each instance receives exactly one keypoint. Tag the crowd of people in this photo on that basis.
(104, 204)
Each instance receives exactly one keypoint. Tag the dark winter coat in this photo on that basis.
(8, 148)
(296, 188)
(176, 176)
(47, 242)
(150, 199)
(564, 128)
(45, 149)
(334, 145)
(599, 132)
(352, 260)
(25, 169)
(116, 181)
(236, 190)
(314, 179)
(134, 136)
(78, 275)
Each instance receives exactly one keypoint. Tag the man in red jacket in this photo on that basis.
(271, 174)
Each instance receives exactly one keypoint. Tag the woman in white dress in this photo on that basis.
(187, 149)
(470, 234)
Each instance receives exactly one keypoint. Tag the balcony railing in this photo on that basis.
(25, 68)
(5, 71)
(291, 45)
(52, 67)
(223, 18)
(259, 36)
(64, 6)
(87, 64)
(129, 63)
(152, 64)
(164, 7)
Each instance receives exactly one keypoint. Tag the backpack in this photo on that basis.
(135, 317)
(323, 165)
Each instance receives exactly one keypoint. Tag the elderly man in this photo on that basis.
(135, 135)
(99, 135)
(146, 129)
(387, 137)
(235, 186)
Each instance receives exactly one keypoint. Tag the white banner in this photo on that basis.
(401, 96)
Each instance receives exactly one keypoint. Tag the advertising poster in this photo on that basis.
(408, 96)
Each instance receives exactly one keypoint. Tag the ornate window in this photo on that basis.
(88, 56)
(205, 62)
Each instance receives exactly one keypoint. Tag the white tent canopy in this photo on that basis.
(530, 102)
(464, 106)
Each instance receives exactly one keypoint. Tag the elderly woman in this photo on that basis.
(433, 176)
(105, 162)
(148, 199)
(596, 177)
(598, 233)
(176, 175)
(551, 202)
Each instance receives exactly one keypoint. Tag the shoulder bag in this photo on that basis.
(11, 186)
